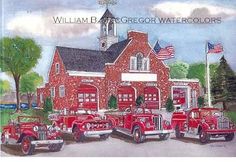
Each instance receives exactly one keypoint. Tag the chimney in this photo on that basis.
(137, 35)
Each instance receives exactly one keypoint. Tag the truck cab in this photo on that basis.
(205, 122)
(139, 122)
(30, 132)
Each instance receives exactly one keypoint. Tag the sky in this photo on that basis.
(34, 19)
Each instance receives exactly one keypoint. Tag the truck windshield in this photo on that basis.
(207, 113)
(141, 111)
(25, 119)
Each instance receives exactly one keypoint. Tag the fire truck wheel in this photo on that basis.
(229, 137)
(178, 134)
(78, 135)
(104, 136)
(55, 147)
(137, 134)
(3, 139)
(204, 137)
(26, 147)
(164, 136)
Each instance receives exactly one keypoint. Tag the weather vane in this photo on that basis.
(107, 2)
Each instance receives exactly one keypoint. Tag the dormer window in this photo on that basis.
(57, 68)
(139, 63)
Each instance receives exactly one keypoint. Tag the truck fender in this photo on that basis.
(112, 120)
(141, 125)
(180, 124)
(202, 127)
(76, 124)
(26, 133)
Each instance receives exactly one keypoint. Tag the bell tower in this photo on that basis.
(108, 33)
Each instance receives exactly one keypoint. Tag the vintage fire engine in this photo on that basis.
(82, 125)
(205, 122)
(30, 132)
(139, 122)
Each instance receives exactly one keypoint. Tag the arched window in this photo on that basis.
(139, 61)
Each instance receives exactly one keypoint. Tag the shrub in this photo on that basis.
(112, 102)
(48, 105)
(169, 105)
(200, 101)
(139, 100)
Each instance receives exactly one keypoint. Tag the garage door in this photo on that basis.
(87, 97)
(126, 97)
(180, 96)
(151, 97)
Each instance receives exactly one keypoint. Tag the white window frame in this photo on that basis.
(146, 59)
(62, 91)
(57, 68)
(141, 57)
(52, 91)
(41, 97)
(133, 63)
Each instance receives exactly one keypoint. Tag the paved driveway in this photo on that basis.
(119, 145)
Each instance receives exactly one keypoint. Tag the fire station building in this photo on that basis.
(85, 78)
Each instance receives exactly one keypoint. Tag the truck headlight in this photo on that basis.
(53, 128)
(88, 125)
(35, 128)
(212, 126)
(167, 123)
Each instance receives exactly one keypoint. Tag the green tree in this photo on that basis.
(213, 69)
(197, 71)
(139, 100)
(179, 70)
(18, 56)
(112, 103)
(4, 86)
(48, 105)
(223, 87)
(169, 105)
(28, 85)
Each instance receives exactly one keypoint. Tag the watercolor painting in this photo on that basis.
(116, 78)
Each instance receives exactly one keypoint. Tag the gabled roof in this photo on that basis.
(107, 14)
(76, 59)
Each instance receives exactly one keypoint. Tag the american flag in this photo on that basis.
(214, 48)
(164, 53)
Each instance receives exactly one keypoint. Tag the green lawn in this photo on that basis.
(8, 114)
(231, 115)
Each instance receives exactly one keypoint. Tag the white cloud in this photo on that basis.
(188, 9)
(42, 23)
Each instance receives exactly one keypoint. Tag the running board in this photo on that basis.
(123, 131)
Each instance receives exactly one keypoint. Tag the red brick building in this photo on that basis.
(84, 78)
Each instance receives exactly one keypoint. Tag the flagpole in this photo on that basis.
(208, 78)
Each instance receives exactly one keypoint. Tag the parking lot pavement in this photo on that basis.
(122, 146)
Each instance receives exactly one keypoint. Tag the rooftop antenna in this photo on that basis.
(107, 2)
